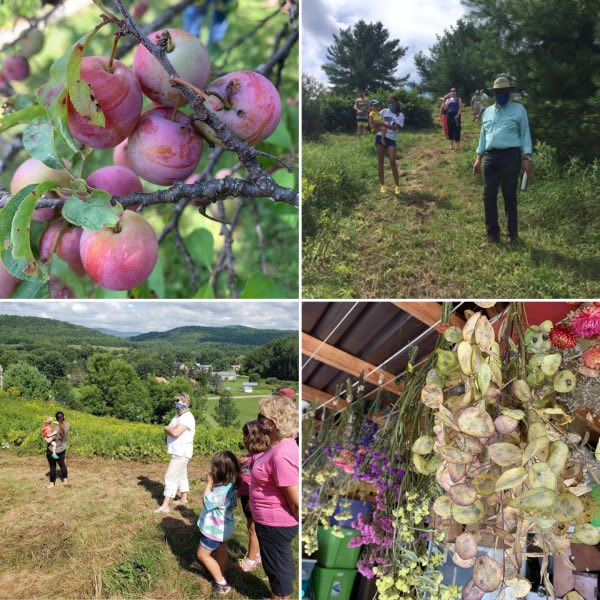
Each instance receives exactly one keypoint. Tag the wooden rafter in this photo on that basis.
(428, 312)
(314, 396)
(348, 363)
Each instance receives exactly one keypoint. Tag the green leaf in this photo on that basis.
(104, 294)
(54, 94)
(32, 289)
(95, 212)
(205, 292)
(18, 117)
(281, 136)
(20, 233)
(59, 269)
(38, 140)
(284, 178)
(200, 244)
(260, 286)
(78, 89)
(156, 282)
(15, 224)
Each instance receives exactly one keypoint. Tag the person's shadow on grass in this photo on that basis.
(183, 541)
(155, 488)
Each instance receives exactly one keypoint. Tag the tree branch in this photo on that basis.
(163, 19)
(203, 193)
(246, 154)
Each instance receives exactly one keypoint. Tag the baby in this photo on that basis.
(376, 121)
(49, 435)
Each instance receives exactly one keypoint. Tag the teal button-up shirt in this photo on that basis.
(505, 127)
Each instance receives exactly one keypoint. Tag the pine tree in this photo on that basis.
(364, 58)
(226, 412)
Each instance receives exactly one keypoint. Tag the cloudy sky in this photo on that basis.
(414, 23)
(137, 316)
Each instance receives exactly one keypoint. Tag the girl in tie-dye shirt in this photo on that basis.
(216, 519)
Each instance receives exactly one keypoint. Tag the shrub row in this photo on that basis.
(20, 424)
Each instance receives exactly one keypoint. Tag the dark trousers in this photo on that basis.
(453, 127)
(53, 462)
(501, 168)
(277, 558)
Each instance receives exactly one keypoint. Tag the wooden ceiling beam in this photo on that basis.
(314, 396)
(343, 361)
(428, 312)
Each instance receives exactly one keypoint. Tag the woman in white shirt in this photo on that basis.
(180, 445)
(393, 120)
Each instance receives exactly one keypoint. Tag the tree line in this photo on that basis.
(550, 49)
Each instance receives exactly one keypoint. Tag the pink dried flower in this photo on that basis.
(586, 322)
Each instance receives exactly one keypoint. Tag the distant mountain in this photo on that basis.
(232, 334)
(50, 332)
(120, 334)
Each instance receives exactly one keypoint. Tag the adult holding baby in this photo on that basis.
(56, 454)
(180, 445)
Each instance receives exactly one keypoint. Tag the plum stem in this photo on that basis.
(112, 52)
(176, 108)
(226, 104)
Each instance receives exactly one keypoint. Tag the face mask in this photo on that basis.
(502, 97)
(180, 406)
(392, 107)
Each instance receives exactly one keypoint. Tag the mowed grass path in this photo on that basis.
(98, 537)
(431, 240)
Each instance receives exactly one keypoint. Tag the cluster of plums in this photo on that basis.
(15, 67)
(159, 145)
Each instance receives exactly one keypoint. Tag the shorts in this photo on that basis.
(209, 544)
(387, 141)
(245, 502)
(362, 119)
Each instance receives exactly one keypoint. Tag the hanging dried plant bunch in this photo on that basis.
(502, 453)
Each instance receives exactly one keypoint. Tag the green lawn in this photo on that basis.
(248, 408)
(431, 240)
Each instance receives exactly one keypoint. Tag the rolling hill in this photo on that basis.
(232, 334)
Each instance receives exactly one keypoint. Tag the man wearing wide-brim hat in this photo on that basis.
(505, 146)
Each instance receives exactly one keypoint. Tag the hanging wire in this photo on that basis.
(406, 347)
(329, 336)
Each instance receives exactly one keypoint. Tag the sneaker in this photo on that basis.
(397, 190)
(247, 565)
(383, 189)
(221, 588)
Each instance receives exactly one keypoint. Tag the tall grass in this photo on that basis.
(20, 424)
(431, 240)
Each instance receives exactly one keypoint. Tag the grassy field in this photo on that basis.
(99, 538)
(431, 240)
(248, 408)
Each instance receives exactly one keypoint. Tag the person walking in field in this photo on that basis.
(361, 106)
(476, 105)
(58, 456)
(393, 121)
(453, 116)
(504, 148)
(180, 445)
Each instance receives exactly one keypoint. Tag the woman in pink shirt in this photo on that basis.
(274, 493)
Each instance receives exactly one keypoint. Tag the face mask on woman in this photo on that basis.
(502, 97)
(393, 106)
(180, 406)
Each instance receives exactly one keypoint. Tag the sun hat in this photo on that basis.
(503, 83)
